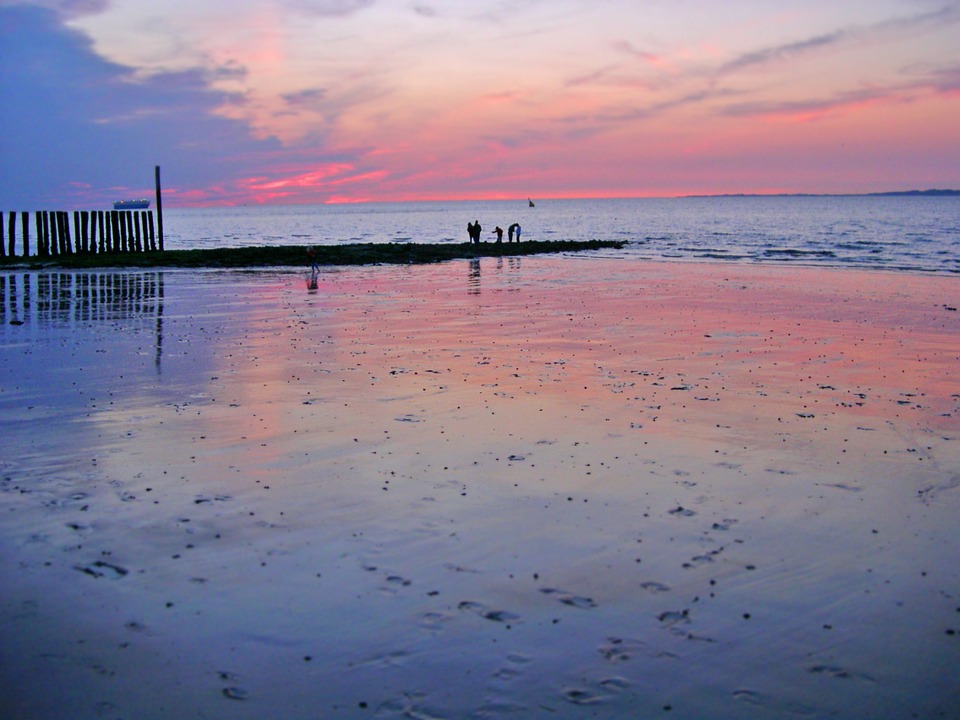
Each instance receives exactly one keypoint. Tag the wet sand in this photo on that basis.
(541, 487)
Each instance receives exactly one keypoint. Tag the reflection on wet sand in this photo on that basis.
(511, 264)
(80, 297)
(473, 280)
(595, 489)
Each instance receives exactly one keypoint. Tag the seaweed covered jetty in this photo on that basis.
(297, 255)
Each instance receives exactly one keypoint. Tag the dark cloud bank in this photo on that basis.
(76, 129)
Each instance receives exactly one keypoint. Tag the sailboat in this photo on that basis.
(531, 202)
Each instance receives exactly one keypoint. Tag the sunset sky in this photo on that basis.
(299, 101)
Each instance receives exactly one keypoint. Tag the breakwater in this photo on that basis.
(50, 233)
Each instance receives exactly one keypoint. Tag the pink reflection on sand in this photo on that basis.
(556, 482)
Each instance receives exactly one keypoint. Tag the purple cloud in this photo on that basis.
(77, 129)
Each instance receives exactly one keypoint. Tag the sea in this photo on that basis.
(897, 233)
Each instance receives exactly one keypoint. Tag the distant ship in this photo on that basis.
(140, 204)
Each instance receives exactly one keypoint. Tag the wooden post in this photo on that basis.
(65, 228)
(25, 224)
(156, 175)
(143, 229)
(135, 219)
(10, 235)
(114, 231)
(44, 218)
(85, 227)
(76, 231)
(54, 233)
(153, 237)
(103, 235)
(123, 230)
(93, 231)
(129, 218)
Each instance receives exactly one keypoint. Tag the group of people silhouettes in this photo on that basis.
(474, 230)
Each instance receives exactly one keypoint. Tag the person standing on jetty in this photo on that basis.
(470, 232)
(513, 230)
(476, 231)
(499, 231)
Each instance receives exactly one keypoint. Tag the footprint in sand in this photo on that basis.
(101, 569)
(674, 617)
(655, 588)
(616, 650)
(501, 616)
(840, 673)
(772, 704)
(570, 599)
(929, 494)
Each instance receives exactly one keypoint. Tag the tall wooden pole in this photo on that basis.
(25, 226)
(156, 174)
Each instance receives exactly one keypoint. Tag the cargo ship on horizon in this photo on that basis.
(138, 204)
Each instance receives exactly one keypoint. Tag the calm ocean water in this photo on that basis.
(894, 233)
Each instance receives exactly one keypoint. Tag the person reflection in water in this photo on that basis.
(473, 279)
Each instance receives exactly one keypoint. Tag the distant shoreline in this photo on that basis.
(895, 193)
(297, 255)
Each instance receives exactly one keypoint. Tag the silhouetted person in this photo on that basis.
(499, 231)
(314, 268)
(476, 231)
(515, 228)
(518, 231)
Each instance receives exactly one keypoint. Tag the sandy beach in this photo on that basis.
(551, 487)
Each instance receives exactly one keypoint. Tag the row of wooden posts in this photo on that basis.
(94, 231)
